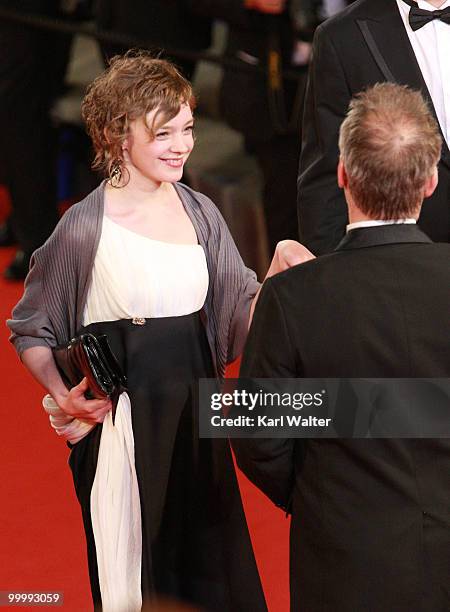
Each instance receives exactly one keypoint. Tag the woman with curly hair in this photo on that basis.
(150, 263)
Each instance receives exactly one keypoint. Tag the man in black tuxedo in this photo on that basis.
(370, 42)
(370, 524)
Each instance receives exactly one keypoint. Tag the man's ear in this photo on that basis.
(431, 184)
(342, 175)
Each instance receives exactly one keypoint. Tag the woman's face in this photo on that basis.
(162, 158)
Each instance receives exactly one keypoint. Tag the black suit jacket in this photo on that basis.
(370, 518)
(365, 44)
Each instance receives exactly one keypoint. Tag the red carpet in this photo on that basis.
(42, 539)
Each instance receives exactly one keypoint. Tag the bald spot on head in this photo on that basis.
(390, 145)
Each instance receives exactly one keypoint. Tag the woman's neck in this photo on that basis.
(137, 194)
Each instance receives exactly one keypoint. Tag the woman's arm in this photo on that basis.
(47, 313)
(234, 287)
(40, 363)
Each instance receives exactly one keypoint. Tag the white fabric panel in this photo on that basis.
(431, 45)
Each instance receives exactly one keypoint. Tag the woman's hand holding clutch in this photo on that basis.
(75, 405)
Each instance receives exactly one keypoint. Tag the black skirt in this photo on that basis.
(195, 542)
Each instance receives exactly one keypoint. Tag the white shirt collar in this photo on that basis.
(375, 222)
(422, 4)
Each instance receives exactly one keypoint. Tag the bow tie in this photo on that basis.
(419, 17)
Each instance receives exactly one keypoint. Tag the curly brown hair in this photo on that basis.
(133, 85)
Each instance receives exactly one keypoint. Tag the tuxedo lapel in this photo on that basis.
(384, 24)
(379, 235)
(388, 42)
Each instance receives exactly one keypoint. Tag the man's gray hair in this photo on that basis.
(390, 145)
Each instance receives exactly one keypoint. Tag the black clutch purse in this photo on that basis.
(91, 356)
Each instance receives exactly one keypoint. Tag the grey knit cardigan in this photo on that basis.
(51, 309)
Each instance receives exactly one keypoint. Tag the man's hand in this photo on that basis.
(74, 404)
(271, 7)
(288, 253)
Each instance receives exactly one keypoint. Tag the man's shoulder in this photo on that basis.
(309, 271)
(345, 19)
(440, 247)
(437, 254)
(414, 255)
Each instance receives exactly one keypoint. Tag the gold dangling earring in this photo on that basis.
(115, 173)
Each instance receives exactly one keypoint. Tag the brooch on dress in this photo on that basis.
(138, 321)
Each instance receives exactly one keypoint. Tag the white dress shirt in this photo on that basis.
(431, 46)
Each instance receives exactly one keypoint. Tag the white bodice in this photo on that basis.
(135, 276)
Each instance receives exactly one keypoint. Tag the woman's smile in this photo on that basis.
(173, 162)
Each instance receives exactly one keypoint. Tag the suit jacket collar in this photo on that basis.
(382, 28)
(386, 27)
(379, 235)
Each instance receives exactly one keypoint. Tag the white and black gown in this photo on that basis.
(147, 297)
